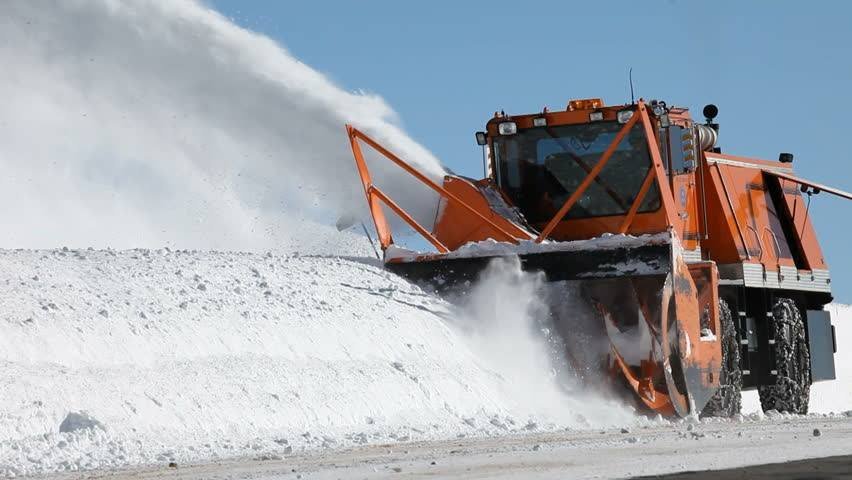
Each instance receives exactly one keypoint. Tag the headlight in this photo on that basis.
(596, 116)
(539, 122)
(507, 128)
(624, 116)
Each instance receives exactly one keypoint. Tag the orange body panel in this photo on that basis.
(745, 221)
(454, 226)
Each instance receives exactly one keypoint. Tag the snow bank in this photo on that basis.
(150, 123)
(111, 358)
(116, 358)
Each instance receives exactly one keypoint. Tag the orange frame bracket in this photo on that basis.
(375, 196)
(655, 172)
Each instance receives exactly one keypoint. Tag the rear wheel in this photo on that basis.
(727, 401)
(791, 391)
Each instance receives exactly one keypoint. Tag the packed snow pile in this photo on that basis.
(111, 358)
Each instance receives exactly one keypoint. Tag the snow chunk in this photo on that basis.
(75, 421)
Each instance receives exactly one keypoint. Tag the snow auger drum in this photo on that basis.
(632, 204)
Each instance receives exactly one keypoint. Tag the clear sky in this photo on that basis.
(780, 72)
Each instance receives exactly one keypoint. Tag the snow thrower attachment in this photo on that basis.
(663, 236)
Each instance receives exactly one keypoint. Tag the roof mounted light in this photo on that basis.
(585, 104)
(596, 116)
(539, 122)
(658, 107)
(624, 116)
(507, 128)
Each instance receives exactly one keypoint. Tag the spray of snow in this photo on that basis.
(509, 325)
(159, 122)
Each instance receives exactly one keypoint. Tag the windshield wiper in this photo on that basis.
(609, 190)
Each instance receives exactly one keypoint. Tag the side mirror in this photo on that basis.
(481, 138)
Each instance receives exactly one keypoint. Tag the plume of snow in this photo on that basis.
(509, 325)
(159, 122)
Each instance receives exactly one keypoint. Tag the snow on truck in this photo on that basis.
(702, 269)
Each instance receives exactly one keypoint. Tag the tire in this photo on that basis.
(727, 401)
(791, 391)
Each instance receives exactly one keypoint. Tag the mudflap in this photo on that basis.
(659, 314)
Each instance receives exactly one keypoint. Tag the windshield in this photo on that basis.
(540, 168)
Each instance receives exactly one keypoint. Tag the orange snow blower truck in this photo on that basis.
(702, 269)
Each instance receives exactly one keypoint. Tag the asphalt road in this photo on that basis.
(657, 449)
(830, 468)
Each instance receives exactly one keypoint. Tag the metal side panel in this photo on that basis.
(692, 256)
(786, 278)
(821, 343)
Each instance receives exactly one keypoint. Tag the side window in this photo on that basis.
(506, 152)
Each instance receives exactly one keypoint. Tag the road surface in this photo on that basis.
(653, 450)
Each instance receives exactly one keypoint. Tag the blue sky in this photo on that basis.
(780, 72)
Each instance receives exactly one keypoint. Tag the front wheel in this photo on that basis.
(792, 388)
(727, 401)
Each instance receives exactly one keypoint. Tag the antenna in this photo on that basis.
(630, 76)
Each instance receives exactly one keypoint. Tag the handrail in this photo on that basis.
(775, 242)
(371, 191)
(808, 183)
(759, 241)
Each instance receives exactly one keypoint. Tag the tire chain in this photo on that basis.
(791, 392)
(727, 401)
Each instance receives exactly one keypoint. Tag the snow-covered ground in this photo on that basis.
(114, 358)
(120, 358)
